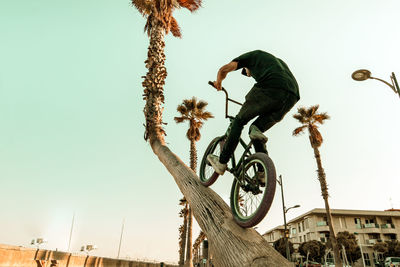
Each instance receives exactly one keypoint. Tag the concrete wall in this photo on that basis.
(12, 256)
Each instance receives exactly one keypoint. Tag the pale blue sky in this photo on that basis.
(71, 118)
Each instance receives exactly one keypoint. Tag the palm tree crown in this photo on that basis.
(309, 118)
(161, 11)
(193, 111)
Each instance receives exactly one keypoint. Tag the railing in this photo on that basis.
(387, 225)
(371, 225)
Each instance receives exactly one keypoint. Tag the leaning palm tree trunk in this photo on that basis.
(325, 195)
(231, 244)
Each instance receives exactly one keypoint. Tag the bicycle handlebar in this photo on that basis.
(226, 99)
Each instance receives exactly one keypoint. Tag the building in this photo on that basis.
(369, 226)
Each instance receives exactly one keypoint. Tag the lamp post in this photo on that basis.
(362, 75)
(285, 210)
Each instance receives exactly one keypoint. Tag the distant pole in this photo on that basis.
(120, 240)
(70, 234)
(284, 220)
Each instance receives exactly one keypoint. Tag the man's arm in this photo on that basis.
(223, 71)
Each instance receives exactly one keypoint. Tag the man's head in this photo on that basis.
(246, 72)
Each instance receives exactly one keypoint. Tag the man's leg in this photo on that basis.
(257, 103)
(265, 121)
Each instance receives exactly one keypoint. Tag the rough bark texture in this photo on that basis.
(325, 195)
(231, 244)
(193, 166)
(189, 254)
(183, 238)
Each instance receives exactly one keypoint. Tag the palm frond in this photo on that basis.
(315, 136)
(299, 130)
(201, 105)
(302, 111)
(182, 201)
(312, 110)
(197, 135)
(183, 110)
(300, 118)
(320, 118)
(180, 119)
(191, 5)
(143, 6)
(175, 29)
(188, 104)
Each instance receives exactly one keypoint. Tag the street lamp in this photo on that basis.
(38, 241)
(362, 75)
(285, 210)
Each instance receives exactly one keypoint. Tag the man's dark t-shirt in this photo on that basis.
(268, 71)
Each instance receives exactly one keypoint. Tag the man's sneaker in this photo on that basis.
(256, 134)
(218, 166)
(260, 176)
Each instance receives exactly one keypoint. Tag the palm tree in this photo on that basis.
(196, 245)
(309, 118)
(183, 230)
(231, 244)
(194, 112)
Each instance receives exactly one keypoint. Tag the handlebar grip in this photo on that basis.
(211, 83)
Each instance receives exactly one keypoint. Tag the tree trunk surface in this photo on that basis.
(183, 237)
(189, 254)
(193, 166)
(231, 244)
(325, 195)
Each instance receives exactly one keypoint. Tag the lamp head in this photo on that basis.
(361, 75)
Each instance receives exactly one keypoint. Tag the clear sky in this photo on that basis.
(71, 134)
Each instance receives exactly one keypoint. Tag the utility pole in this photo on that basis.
(70, 234)
(120, 240)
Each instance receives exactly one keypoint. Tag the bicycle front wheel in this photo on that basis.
(207, 174)
(250, 198)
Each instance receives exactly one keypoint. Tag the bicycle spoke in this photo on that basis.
(248, 199)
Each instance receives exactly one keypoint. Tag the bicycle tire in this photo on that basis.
(207, 175)
(268, 194)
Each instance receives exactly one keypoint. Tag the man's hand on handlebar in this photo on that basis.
(217, 85)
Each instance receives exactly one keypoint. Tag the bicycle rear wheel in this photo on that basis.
(207, 174)
(250, 201)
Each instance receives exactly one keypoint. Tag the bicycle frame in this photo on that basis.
(235, 170)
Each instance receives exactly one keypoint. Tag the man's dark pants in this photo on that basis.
(270, 105)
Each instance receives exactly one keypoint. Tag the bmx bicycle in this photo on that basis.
(250, 199)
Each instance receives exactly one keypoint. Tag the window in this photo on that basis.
(367, 261)
(301, 239)
(299, 227)
(342, 222)
(302, 224)
(357, 221)
(294, 231)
